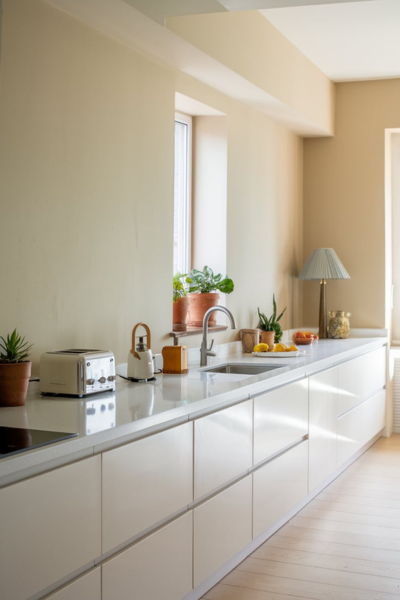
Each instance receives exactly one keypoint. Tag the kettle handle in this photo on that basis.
(148, 336)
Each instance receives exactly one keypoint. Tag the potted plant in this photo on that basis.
(180, 302)
(271, 330)
(15, 370)
(203, 293)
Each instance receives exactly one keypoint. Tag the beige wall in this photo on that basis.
(86, 189)
(344, 200)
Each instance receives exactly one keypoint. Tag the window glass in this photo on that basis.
(182, 195)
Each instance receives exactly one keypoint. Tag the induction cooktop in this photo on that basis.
(14, 440)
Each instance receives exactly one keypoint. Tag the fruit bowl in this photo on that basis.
(304, 338)
(302, 341)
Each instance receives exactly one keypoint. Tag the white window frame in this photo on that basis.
(187, 120)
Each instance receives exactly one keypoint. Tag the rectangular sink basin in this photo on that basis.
(239, 369)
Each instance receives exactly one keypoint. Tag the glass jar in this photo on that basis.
(339, 324)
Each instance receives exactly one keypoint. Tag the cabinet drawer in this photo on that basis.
(157, 568)
(50, 527)
(145, 482)
(359, 425)
(279, 486)
(87, 587)
(222, 447)
(360, 378)
(280, 419)
(322, 426)
(222, 527)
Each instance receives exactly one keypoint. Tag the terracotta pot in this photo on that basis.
(179, 313)
(267, 337)
(14, 381)
(199, 305)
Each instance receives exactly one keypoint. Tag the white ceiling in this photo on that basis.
(347, 41)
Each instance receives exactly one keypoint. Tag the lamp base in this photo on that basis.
(323, 320)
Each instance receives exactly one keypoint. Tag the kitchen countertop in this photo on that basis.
(106, 420)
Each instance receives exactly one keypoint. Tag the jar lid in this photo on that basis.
(339, 313)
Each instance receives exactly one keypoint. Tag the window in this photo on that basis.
(182, 193)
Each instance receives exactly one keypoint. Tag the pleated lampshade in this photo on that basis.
(323, 263)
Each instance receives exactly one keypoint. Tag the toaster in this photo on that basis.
(77, 372)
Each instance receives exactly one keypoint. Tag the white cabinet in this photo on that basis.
(145, 482)
(222, 447)
(157, 568)
(278, 486)
(360, 378)
(322, 426)
(222, 527)
(359, 425)
(87, 587)
(50, 527)
(280, 419)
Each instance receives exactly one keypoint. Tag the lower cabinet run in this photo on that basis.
(222, 527)
(279, 486)
(157, 568)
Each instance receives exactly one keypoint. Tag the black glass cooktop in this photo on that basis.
(14, 440)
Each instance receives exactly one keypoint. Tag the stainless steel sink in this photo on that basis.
(240, 369)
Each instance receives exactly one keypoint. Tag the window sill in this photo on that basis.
(194, 331)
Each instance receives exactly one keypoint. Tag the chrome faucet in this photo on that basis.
(204, 350)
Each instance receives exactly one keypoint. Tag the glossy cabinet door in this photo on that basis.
(157, 568)
(222, 447)
(278, 486)
(322, 426)
(222, 527)
(50, 527)
(359, 425)
(87, 587)
(360, 378)
(280, 419)
(145, 482)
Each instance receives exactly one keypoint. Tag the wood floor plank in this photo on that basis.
(344, 545)
(229, 592)
(369, 530)
(383, 585)
(340, 537)
(358, 500)
(331, 548)
(327, 561)
(366, 509)
(303, 589)
(350, 517)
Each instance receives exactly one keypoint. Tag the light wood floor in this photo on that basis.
(344, 545)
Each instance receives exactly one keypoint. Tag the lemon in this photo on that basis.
(280, 348)
(261, 348)
(293, 348)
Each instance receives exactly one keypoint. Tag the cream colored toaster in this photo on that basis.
(77, 372)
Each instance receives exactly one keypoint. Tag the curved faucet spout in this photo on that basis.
(204, 349)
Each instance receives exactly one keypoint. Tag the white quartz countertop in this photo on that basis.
(106, 420)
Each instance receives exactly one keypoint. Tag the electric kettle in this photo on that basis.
(140, 358)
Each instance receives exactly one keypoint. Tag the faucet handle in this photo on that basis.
(211, 345)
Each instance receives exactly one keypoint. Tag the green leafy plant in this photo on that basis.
(178, 286)
(272, 324)
(14, 348)
(204, 282)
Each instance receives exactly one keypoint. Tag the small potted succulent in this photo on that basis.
(15, 369)
(203, 293)
(180, 302)
(271, 330)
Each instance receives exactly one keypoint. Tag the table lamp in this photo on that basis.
(323, 264)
